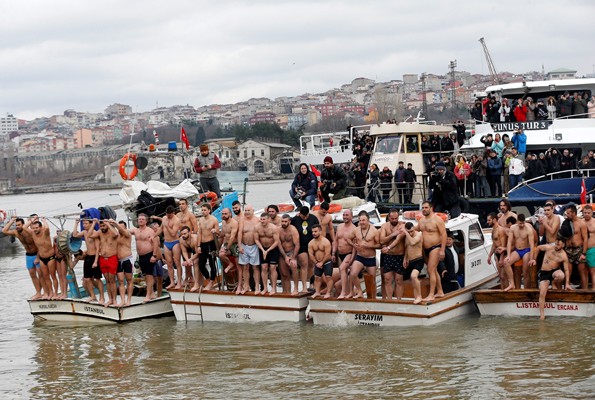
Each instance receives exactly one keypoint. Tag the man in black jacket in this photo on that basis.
(334, 180)
(445, 196)
(410, 179)
(449, 268)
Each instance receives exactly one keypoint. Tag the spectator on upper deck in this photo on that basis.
(543, 162)
(565, 105)
(585, 163)
(551, 108)
(504, 111)
(553, 160)
(591, 107)
(520, 111)
(425, 144)
(447, 145)
(477, 111)
(535, 168)
(566, 161)
(541, 111)
(579, 106)
(530, 109)
(460, 128)
(498, 145)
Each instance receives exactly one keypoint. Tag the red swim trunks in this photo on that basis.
(108, 265)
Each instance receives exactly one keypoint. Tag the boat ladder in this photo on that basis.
(186, 313)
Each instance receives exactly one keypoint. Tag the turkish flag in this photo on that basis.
(583, 192)
(184, 138)
(316, 171)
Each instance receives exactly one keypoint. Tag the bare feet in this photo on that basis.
(239, 290)
(315, 295)
(36, 296)
(341, 296)
(93, 301)
(126, 304)
(295, 293)
(108, 303)
(209, 286)
(45, 297)
(272, 292)
(511, 286)
(542, 317)
(170, 286)
(327, 296)
(440, 294)
(263, 292)
(195, 288)
(358, 296)
(243, 291)
(417, 300)
(146, 299)
(120, 304)
(257, 292)
(178, 286)
(101, 300)
(349, 296)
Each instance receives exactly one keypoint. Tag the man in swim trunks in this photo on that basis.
(434, 243)
(108, 255)
(326, 221)
(266, 238)
(91, 270)
(590, 256)
(319, 252)
(208, 230)
(228, 237)
(144, 237)
(414, 260)
(125, 263)
(273, 211)
(505, 212)
(392, 239)
(576, 246)
(499, 242)
(303, 222)
(158, 257)
(45, 252)
(519, 247)
(60, 263)
(342, 253)
(365, 239)
(170, 226)
(31, 261)
(549, 224)
(188, 245)
(248, 249)
(186, 217)
(289, 240)
(550, 272)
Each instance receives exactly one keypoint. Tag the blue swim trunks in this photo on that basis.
(522, 252)
(170, 245)
(30, 258)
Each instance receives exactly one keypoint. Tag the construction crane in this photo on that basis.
(491, 66)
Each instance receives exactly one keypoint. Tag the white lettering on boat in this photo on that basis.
(563, 307)
(94, 310)
(44, 306)
(229, 315)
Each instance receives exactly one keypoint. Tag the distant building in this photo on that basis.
(410, 79)
(8, 124)
(561, 73)
(83, 138)
(260, 157)
(262, 117)
(117, 109)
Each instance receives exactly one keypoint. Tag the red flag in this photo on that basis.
(583, 192)
(316, 172)
(185, 139)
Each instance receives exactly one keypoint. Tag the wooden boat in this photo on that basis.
(213, 305)
(525, 303)
(477, 274)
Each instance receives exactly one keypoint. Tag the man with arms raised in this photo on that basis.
(108, 255)
(144, 238)
(365, 240)
(414, 260)
(576, 245)
(434, 244)
(248, 250)
(125, 263)
(273, 211)
(208, 229)
(499, 243)
(392, 235)
(519, 247)
(289, 243)
(325, 221)
(551, 271)
(590, 256)
(31, 261)
(45, 251)
(188, 245)
(229, 241)
(303, 222)
(549, 224)
(343, 252)
(319, 251)
(170, 226)
(91, 270)
(266, 238)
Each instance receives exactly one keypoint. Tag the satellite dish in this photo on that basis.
(141, 162)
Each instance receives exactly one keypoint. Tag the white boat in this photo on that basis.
(525, 303)
(82, 311)
(226, 306)
(477, 274)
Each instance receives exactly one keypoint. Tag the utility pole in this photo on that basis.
(453, 90)
(424, 102)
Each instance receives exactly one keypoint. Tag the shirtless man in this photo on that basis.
(549, 224)
(414, 259)
(188, 245)
(108, 255)
(125, 263)
(273, 211)
(590, 256)
(170, 226)
(187, 218)
(343, 252)
(31, 261)
(289, 243)
(248, 250)
(91, 270)
(60, 263)
(236, 207)
(499, 243)
(144, 238)
(434, 244)
(45, 250)
(208, 229)
(229, 241)
(392, 235)
(266, 238)
(550, 272)
(505, 212)
(158, 257)
(577, 245)
(326, 221)
(365, 239)
(519, 247)
(319, 251)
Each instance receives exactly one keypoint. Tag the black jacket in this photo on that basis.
(445, 189)
(335, 174)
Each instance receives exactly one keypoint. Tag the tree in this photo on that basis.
(199, 136)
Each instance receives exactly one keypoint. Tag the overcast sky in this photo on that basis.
(85, 55)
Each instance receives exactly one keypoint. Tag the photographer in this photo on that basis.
(444, 186)
(519, 141)
(374, 185)
(334, 180)
(304, 187)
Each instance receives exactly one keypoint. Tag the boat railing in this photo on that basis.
(326, 150)
(574, 173)
(574, 116)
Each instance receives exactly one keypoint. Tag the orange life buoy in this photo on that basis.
(283, 208)
(443, 216)
(332, 208)
(210, 197)
(123, 162)
(411, 214)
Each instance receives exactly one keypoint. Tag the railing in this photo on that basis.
(574, 173)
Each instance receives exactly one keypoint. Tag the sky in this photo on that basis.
(85, 55)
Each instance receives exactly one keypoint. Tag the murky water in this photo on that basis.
(467, 358)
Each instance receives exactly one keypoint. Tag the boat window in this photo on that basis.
(387, 144)
(412, 144)
(475, 236)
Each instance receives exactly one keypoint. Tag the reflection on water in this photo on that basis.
(467, 358)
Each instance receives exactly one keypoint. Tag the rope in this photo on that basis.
(554, 194)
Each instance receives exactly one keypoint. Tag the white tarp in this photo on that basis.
(131, 190)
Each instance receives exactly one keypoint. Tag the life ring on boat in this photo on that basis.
(208, 197)
(124, 162)
(2, 215)
(443, 216)
(332, 208)
(411, 214)
(283, 208)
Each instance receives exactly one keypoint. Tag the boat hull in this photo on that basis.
(525, 303)
(229, 307)
(81, 311)
(394, 312)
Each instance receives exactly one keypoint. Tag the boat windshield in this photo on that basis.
(387, 144)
